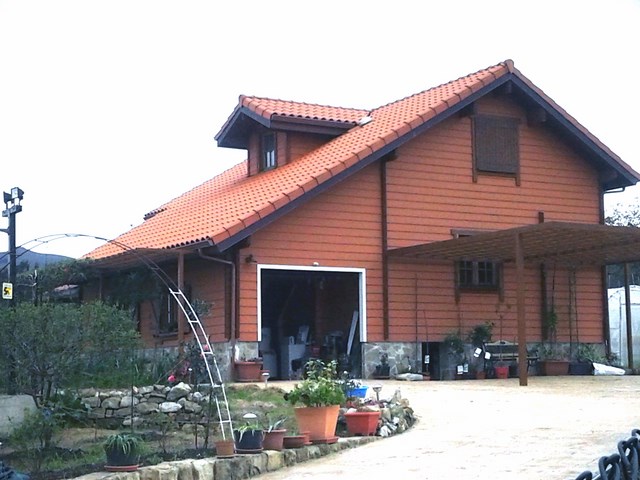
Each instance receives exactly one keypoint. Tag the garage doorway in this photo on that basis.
(308, 313)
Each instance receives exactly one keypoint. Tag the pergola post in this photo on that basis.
(181, 318)
(520, 291)
(627, 310)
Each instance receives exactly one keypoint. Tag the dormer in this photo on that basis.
(277, 132)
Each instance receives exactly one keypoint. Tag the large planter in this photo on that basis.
(248, 371)
(581, 368)
(554, 367)
(273, 440)
(362, 423)
(320, 422)
(117, 461)
(249, 441)
(502, 371)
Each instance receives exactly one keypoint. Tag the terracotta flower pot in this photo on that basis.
(294, 441)
(273, 440)
(225, 448)
(502, 371)
(362, 423)
(554, 367)
(320, 422)
(248, 371)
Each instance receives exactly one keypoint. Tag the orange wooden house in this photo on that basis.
(350, 233)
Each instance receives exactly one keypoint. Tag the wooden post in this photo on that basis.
(522, 331)
(627, 310)
(181, 318)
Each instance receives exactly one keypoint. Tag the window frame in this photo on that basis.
(473, 266)
(486, 140)
(268, 158)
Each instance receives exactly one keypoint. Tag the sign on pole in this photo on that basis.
(7, 291)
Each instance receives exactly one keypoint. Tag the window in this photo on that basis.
(476, 274)
(495, 146)
(268, 151)
(480, 275)
(166, 310)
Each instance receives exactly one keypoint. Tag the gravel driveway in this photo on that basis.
(493, 429)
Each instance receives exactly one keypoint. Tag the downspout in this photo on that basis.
(384, 246)
(232, 327)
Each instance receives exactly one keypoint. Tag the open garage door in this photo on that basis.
(308, 313)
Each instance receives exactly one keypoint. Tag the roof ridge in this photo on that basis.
(508, 64)
(243, 97)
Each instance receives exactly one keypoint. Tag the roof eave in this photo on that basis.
(626, 175)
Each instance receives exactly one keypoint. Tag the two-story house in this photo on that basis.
(348, 233)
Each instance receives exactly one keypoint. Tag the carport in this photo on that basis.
(572, 244)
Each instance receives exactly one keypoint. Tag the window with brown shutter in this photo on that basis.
(496, 146)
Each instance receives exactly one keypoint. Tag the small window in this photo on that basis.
(476, 274)
(480, 275)
(167, 312)
(495, 146)
(268, 151)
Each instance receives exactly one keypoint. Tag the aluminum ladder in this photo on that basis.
(213, 372)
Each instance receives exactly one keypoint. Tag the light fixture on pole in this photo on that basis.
(12, 207)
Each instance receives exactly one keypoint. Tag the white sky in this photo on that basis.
(108, 108)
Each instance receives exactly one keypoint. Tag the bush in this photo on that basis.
(52, 346)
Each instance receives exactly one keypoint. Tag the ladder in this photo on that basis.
(213, 372)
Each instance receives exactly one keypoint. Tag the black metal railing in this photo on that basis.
(623, 465)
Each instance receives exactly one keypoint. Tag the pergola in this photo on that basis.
(571, 244)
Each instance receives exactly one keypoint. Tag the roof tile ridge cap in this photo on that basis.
(450, 82)
(253, 98)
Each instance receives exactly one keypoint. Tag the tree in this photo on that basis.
(55, 346)
(625, 216)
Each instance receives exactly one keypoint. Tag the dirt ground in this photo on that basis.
(552, 429)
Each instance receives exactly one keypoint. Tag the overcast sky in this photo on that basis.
(108, 109)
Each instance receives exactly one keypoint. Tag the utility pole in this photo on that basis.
(12, 208)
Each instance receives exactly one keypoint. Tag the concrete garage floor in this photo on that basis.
(479, 429)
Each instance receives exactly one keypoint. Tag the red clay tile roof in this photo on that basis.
(221, 210)
(267, 108)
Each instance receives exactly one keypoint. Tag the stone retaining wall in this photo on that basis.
(238, 467)
(180, 402)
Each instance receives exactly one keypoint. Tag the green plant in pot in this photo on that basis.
(249, 437)
(123, 451)
(321, 394)
(274, 433)
(478, 336)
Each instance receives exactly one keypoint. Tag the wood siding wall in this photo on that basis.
(340, 228)
(208, 283)
(430, 192)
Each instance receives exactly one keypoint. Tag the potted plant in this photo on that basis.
(383, 370)
(454, 346)
(478, 336)
(249, 437)
(225, 448)
(586, 354)
(553, 360)
(363, 418)
(248, 370)
(123, 452)
(273, 434)
(295, 439)
(321, 393)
